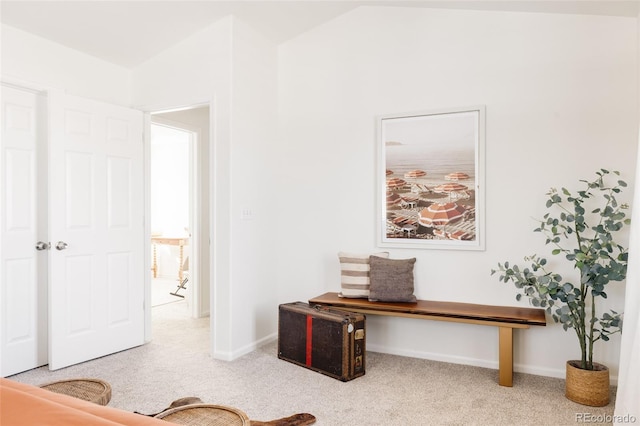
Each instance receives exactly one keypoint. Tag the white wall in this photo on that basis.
(560, 92)
(560, 95)
(32, 60)
(234, 67)
(253, 129)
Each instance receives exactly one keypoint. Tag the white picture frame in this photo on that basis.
(431, 179)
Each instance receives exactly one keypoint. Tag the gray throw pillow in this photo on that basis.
(391, 280)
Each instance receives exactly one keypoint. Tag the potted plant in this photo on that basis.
(582, 228)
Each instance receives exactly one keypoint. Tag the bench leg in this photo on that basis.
(505, 362)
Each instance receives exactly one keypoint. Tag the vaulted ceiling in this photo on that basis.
(127, 33)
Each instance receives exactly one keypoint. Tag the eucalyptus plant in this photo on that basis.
(585, 238)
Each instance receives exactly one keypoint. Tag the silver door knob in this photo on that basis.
(61, 245)
(41, 245)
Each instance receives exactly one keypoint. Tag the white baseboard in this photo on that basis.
(230, 356)
(539, 371)
(475, 362)
(434, 356)
(222, 356)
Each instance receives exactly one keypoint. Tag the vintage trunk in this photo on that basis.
(329, 341)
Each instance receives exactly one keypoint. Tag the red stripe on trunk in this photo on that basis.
(309, 339)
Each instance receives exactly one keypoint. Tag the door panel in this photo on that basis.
(23, 291)
(119, 267)
(96, 189)
(20, 288)
(79, 172)
(118, 184)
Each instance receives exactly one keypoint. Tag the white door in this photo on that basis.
(23, 285)
(96, 228)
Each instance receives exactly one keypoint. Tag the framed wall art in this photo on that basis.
(430, 179)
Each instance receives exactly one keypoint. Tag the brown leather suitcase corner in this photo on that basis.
(329, 341)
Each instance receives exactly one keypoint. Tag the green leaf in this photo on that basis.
(588, 242)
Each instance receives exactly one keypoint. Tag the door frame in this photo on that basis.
(40, 325)
(195, 177)
(162, 108)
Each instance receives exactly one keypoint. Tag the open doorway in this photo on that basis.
(171, 211)
(179, 210)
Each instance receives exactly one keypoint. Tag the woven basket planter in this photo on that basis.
(587, 387)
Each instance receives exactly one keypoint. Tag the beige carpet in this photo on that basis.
(395, 390)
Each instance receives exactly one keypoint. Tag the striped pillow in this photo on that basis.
(355, 274)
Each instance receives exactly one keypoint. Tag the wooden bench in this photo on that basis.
(506, 318)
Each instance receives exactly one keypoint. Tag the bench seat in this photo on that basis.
(506, 318)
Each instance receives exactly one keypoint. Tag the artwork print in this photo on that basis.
(430, 178)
